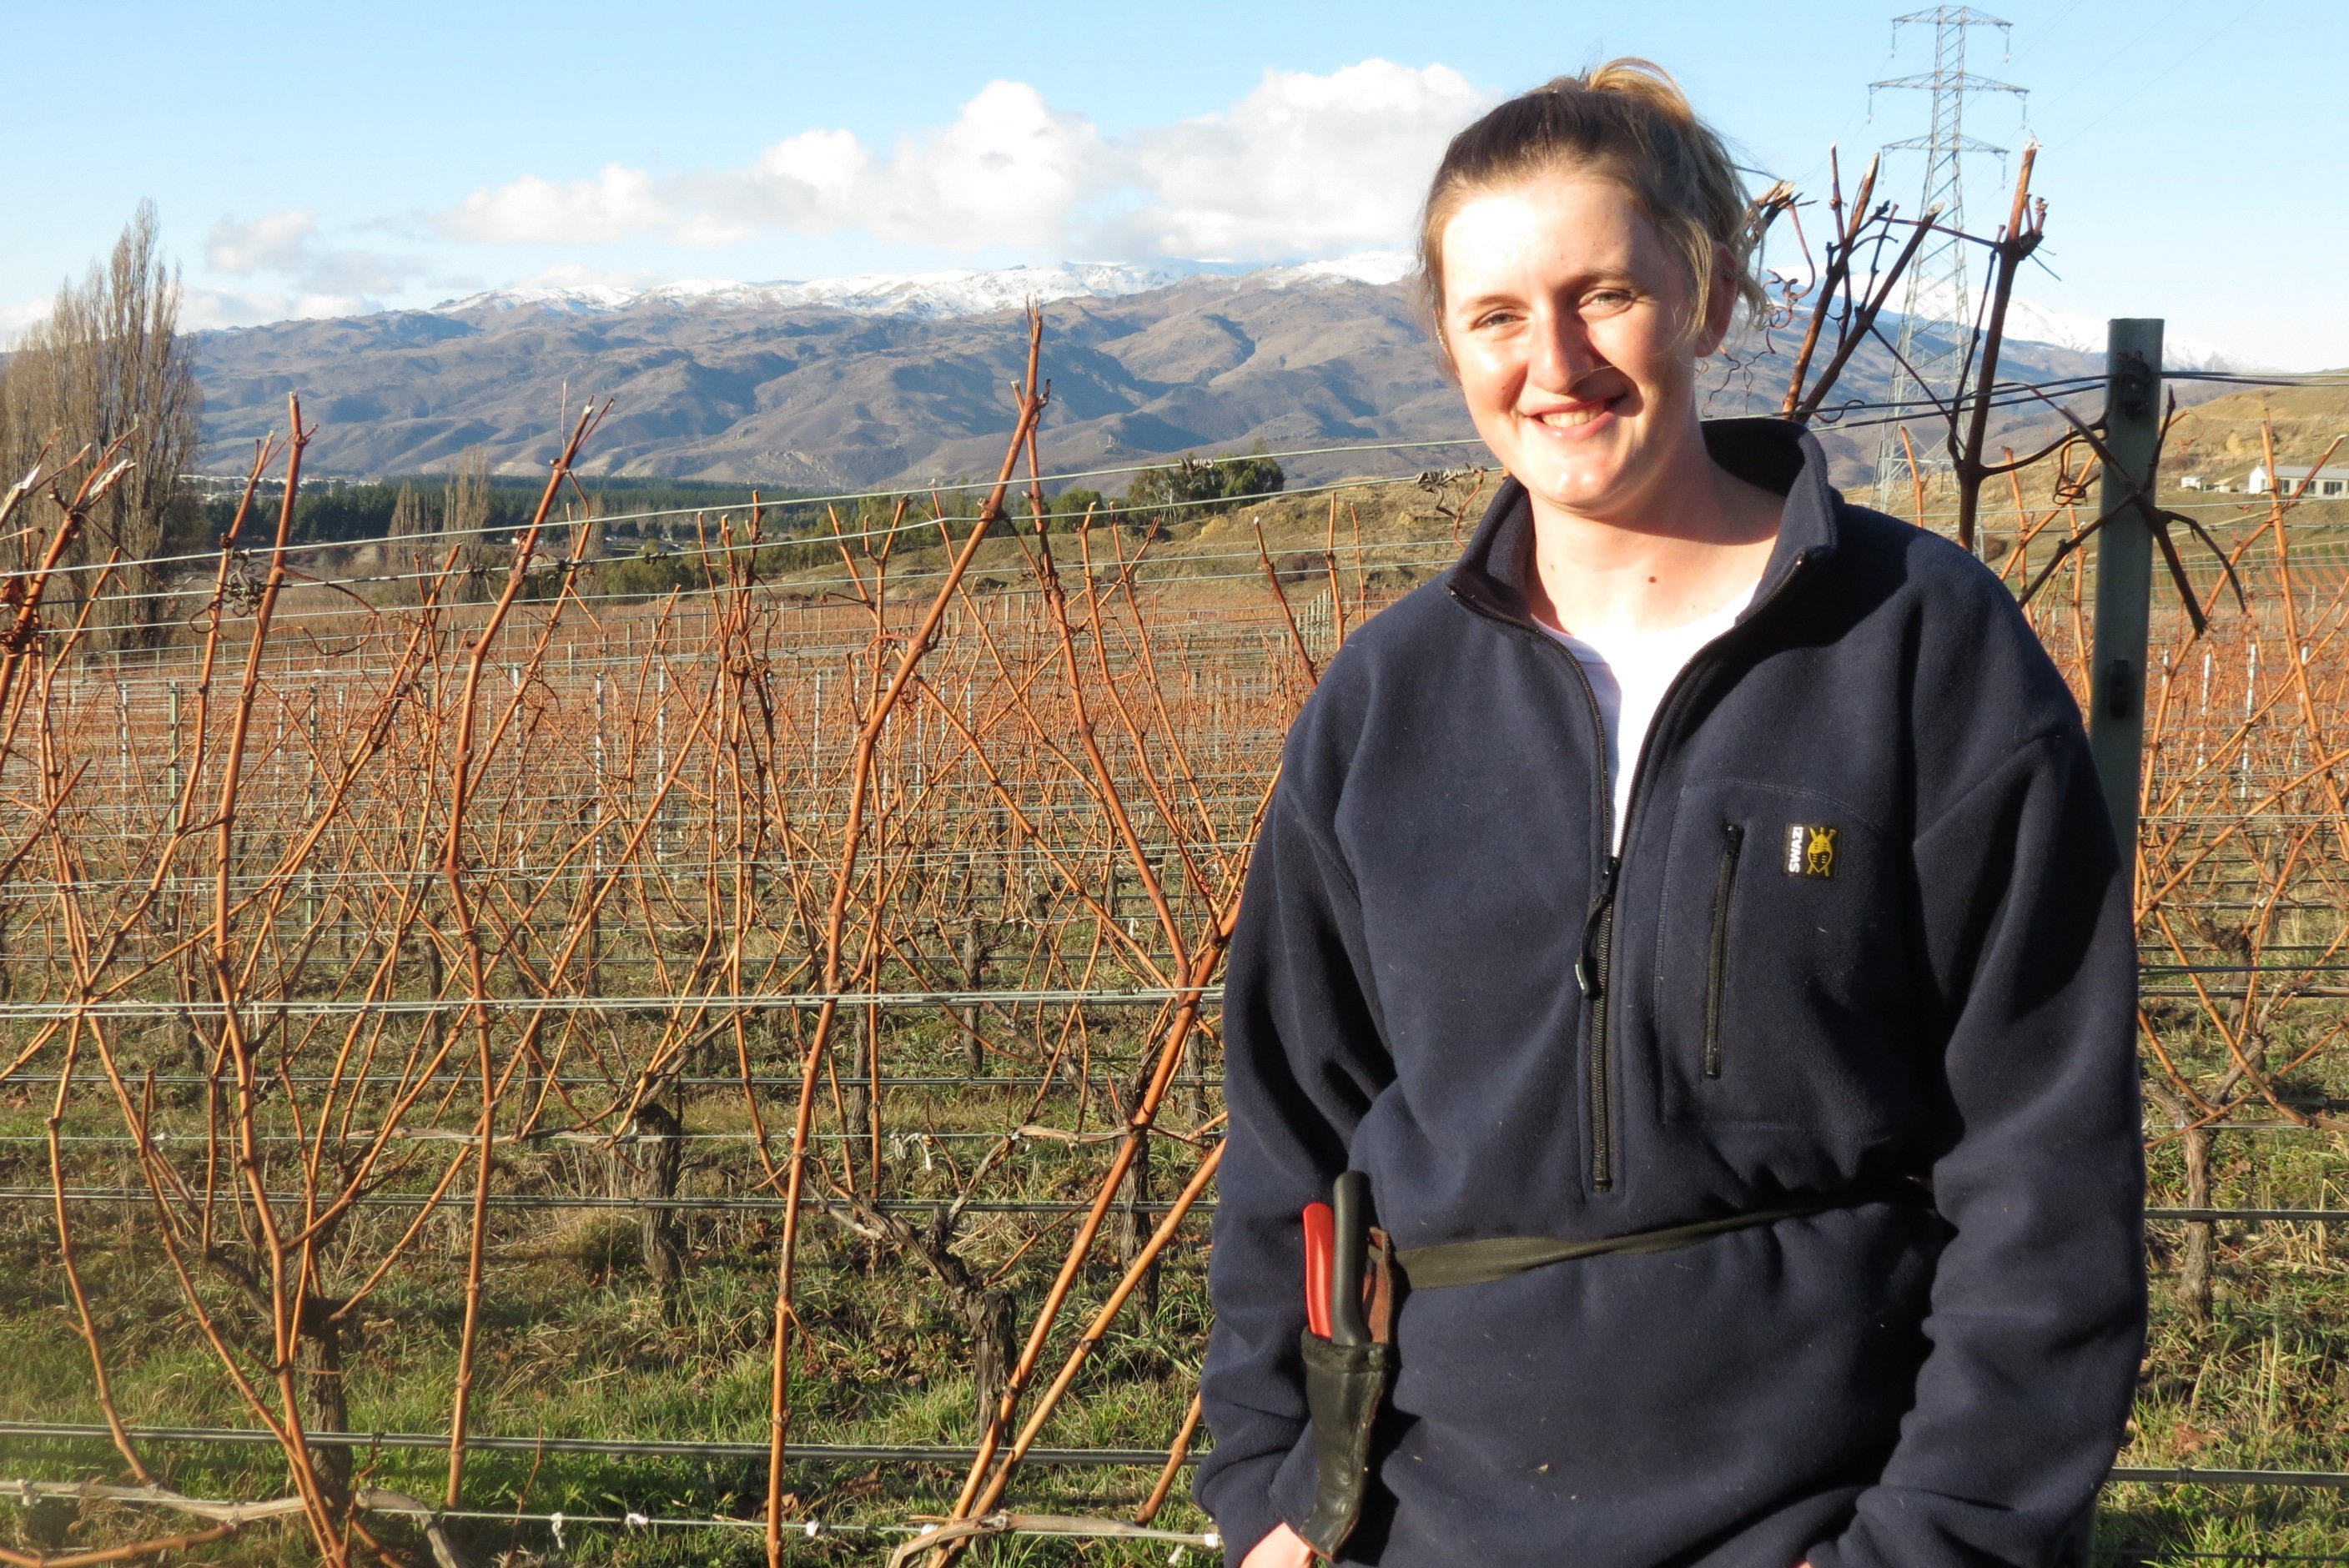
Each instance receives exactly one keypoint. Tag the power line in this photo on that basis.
(2198, 51)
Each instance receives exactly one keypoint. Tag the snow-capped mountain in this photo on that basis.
(881, 378)
(2028, 321)
(2035, 323)
(941, 295)
(1375, 267)
(926, 296)
(954, 293)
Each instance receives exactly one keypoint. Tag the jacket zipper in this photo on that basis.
(1591, 966)
(1733, 840)
(1594, 961)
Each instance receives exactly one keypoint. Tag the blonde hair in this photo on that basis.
(1628, 122)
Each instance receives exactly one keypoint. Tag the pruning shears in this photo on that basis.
(1336, 1256)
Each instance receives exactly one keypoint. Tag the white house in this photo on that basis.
(2328, 482)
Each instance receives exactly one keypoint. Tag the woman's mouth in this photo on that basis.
(1574, 416)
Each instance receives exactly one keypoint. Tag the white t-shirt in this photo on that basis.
(1629, 672)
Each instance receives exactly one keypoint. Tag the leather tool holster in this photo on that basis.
(1345, 1387)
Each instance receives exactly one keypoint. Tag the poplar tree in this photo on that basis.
(108, 364)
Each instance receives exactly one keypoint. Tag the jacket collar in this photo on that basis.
(1777, 454)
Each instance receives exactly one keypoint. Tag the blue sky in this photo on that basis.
(316, 160)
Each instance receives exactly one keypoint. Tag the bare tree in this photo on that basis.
(110, 365)
(464, 514)
(408, 553)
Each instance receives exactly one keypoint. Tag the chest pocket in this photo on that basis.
(1784, 994)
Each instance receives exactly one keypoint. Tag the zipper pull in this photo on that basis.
(1586, 962)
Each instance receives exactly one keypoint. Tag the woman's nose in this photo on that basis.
(1561, 353)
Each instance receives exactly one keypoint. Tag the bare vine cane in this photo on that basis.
(981, 1489)
(1855, 331)
(462, 778)
(2157, 519)
(1840, 250)
(1032, 395)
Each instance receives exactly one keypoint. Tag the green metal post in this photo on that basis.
(2125, 571)
(171, 776)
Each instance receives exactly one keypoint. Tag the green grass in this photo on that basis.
(575, 1342)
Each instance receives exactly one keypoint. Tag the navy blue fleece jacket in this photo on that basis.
(1867, 923)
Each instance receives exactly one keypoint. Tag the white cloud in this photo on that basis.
(1009, 170)
(315, 283)
(275, 243)
(203, 309)
(816, 183)
(579, 276)
(287, 243)
(279, 243)
(819, 171)
(1304, 165)
(615, 204)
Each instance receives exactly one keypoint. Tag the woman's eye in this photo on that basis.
(1493, 318)
(1609, 299)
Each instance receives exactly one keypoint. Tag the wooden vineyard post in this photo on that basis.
(656, 1164)
(2125, 570)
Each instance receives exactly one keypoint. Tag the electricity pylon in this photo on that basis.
(1936, 313)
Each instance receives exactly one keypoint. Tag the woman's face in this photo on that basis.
(1567, 318)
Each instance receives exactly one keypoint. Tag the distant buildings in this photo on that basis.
(2327, 482)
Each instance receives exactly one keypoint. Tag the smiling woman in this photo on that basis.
(1692, 927)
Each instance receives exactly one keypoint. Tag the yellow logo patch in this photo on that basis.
(1810, 850)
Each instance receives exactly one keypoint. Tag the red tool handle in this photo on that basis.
(1320, 1254)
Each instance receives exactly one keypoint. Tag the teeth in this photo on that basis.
(1566, 419)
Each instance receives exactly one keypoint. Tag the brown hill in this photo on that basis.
(817, 398)
(2221, 441)
(823, 399)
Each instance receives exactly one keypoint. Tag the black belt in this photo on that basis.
(1345, 1385)
(1489, 1258)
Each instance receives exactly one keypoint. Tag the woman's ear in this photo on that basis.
(1443, 345)
(1719, 307)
